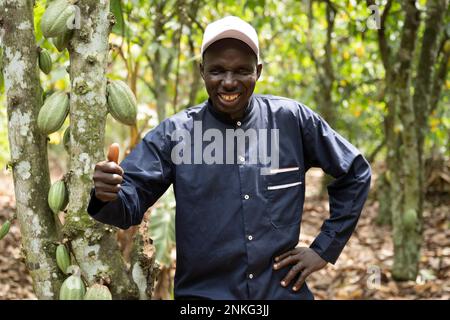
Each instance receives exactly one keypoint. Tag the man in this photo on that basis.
(238, 222)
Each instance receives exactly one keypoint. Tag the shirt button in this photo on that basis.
(241, 159)
(238, 123)
(250, 275)
(246, 197)
(250, 238)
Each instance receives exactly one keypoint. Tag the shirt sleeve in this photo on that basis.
(326, 149)
(148, 173)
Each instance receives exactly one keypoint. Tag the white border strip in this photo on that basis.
(275, 171)
(282, 186)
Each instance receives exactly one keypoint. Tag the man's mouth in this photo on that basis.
(229, 97)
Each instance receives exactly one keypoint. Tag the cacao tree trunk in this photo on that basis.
(406, 127)
(94, 245)
(404, 168)
(28, 146)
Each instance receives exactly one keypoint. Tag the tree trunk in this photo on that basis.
(423, 86)
(93, 244)
(28, 146)
(405, 205)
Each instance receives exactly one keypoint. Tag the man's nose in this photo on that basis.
(229, 81)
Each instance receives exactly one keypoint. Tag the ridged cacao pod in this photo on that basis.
(45, 61)
(4, 229)
(66, 139)
(98, 292)
(121, 102)
(56, 18)
(58, 196)
(61, 42)
(53, 113)
(72, 288)
(62, 258)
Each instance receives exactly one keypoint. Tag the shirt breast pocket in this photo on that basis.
(285, 195)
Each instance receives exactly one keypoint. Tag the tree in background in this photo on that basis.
(28, 146)
(92, 245)
(413, 82)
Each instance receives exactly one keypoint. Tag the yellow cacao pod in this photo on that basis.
(53, 113)
(45, 61)
(98, 292)
(121, 102)
(57, 18)
(58, 196)
(62, 258)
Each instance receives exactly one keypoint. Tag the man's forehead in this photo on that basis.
(221, 48)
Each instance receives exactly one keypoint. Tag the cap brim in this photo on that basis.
(234, 34)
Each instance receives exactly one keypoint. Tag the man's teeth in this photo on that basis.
(229, 97)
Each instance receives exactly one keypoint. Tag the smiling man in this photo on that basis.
(238, 222)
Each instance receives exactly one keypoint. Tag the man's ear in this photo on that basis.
(258, 70)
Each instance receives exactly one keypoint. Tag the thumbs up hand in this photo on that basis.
(108, 176)
(113, 153)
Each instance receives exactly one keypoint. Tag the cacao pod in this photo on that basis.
(72, 288)
(121, 102)
(66, 139)
(62, 258)
(5, 229)
(45, 61)
(98, 292)
(58, 196)
(61, 42)
(53, 113)
(57, 18)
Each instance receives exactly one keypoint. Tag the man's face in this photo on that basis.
(230, 71)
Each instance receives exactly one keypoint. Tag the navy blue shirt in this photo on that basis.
(231, 220)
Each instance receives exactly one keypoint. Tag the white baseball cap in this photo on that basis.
(231, 27)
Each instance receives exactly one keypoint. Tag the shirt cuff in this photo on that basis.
(325, 246)
(95, 205)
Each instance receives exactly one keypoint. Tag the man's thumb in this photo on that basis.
(113, 152)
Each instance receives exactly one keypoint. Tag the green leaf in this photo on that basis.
(116, 8)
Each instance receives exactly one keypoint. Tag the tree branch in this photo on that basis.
(385, 49)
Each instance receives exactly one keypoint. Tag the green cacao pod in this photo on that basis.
(57, 18)
(58, 196)
(53, 113)
(66, 139)
(98, 292)
(72, 288)
(61, 42)
(4, 229)
(121, 102)
(45, 61)
(62, 258)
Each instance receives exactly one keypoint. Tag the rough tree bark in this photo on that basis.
(424, 80)
(94, 245)
(28, 146)
(405, 168)
(406, 126)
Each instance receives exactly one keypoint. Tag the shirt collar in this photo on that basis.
(225, 117)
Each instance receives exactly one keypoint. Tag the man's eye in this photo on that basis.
(214, 72)
(245, 72)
